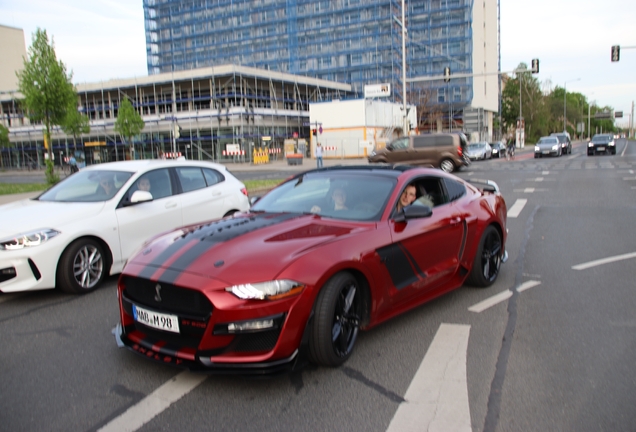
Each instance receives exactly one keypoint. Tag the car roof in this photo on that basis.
(379, 169)
(148, 164)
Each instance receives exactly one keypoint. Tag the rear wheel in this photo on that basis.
(487, 259)
(447, 165)
(82, 267)
(336, 321)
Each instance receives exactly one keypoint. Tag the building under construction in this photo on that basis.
(223, 113)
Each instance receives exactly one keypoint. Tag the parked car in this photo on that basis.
(601, 143)
(319, 258)
(439, 150)
(86, 227)
(547, 146)
(564, 140)
(498, 149)
(479, 151)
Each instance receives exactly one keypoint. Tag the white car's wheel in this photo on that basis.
(82, 267)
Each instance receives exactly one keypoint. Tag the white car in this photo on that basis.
(84, 228)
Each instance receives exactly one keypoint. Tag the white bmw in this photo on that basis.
(85, 227)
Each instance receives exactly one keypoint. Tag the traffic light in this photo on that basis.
(535, 66)
(616, 53)
(313, 132)
(447, 74)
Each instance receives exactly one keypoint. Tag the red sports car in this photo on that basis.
(325, 254)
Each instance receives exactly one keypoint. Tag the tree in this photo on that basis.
(75, 123)
(129, 123)
(533, 107)
(4, 141)
(47, 89)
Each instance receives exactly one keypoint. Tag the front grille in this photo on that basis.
(173, 298)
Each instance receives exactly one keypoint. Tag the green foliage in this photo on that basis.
(4, 136)
(16, 188)
(129, 123)
(45, 84)
(51, 176)
(75, 123)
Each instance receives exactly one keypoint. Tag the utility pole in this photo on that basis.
(631, 122)
(405, 128)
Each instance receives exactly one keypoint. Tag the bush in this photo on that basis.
(51, 177)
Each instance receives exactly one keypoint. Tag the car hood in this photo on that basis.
(29, 214)
(546, 146)
(246, 248)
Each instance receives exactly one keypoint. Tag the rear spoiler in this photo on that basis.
(485, 185)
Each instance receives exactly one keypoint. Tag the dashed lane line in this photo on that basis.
(437, 398)
(498, 298)
(516, 208)
(604, 261)
(156, 402)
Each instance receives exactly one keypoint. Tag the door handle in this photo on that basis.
(171, 204)
(455, 220)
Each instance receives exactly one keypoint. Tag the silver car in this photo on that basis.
(479, 151)
(547, 146)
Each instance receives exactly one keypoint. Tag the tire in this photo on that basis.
(336, 321)
(487, 260)
(82, 267)
(447, 165)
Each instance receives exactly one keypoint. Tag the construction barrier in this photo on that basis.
(234, 153)
(172, 155)
(260, 157)
(329, 148)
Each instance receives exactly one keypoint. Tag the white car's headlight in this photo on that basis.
(28, 239)
(555, 147)
(270, 290)
(536, 148)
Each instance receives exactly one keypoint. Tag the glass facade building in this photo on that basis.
(357, 42)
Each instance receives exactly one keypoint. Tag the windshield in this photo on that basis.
(548, 141)
(87, 186)
(336, 195)
(601, 139)
(476, 146)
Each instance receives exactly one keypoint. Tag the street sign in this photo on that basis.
(603, 115)
(618, 114)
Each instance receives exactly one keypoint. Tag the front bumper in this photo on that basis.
(29, 269)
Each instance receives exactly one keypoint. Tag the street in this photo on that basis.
(550, 346)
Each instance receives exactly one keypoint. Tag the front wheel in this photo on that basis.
(82, 267)
(336, 321)
(447, 165)
(487, 259)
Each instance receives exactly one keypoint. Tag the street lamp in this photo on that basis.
(588, 119)
(565, 93)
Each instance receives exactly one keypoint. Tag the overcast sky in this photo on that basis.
(104, 39)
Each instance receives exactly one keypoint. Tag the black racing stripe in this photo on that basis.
(400, 265)
(208, 236)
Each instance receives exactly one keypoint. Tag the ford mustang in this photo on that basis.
(325, 254)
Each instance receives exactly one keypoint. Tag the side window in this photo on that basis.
(401, 143)
(156, 182)
(191, 178)
(454, 190)
(212, 177)
(430, 191)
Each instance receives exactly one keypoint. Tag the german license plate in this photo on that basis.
(546, 152)
(156, 320)
(600, 148)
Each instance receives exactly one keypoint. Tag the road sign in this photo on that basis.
(618, 114)
(603, 115)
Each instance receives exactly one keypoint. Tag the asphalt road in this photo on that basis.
(555, 354)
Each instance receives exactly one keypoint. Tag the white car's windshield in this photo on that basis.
(87, 186)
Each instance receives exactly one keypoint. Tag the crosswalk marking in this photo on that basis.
(516, 208)
(437, 398)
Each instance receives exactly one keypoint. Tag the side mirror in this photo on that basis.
(140, 196)
(413, 212)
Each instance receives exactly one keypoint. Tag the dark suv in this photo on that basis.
(564, 139)
(601, 143)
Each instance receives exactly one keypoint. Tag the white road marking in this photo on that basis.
(528, 190)
(539, 179)
(490, 301)
(604, 261)
(527, 285)
(629, 178)
(516, 208)
(545, 173)
(437, 399)
(156, 402)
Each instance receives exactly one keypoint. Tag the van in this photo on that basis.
(440, 150)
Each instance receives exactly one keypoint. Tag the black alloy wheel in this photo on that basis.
(336, 321)
(487, 260)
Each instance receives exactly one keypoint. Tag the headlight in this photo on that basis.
(555, 147)
(590, 144)
(28, 239)
(536, 148)
(270, 290)
(611, 143)
(373, 153)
